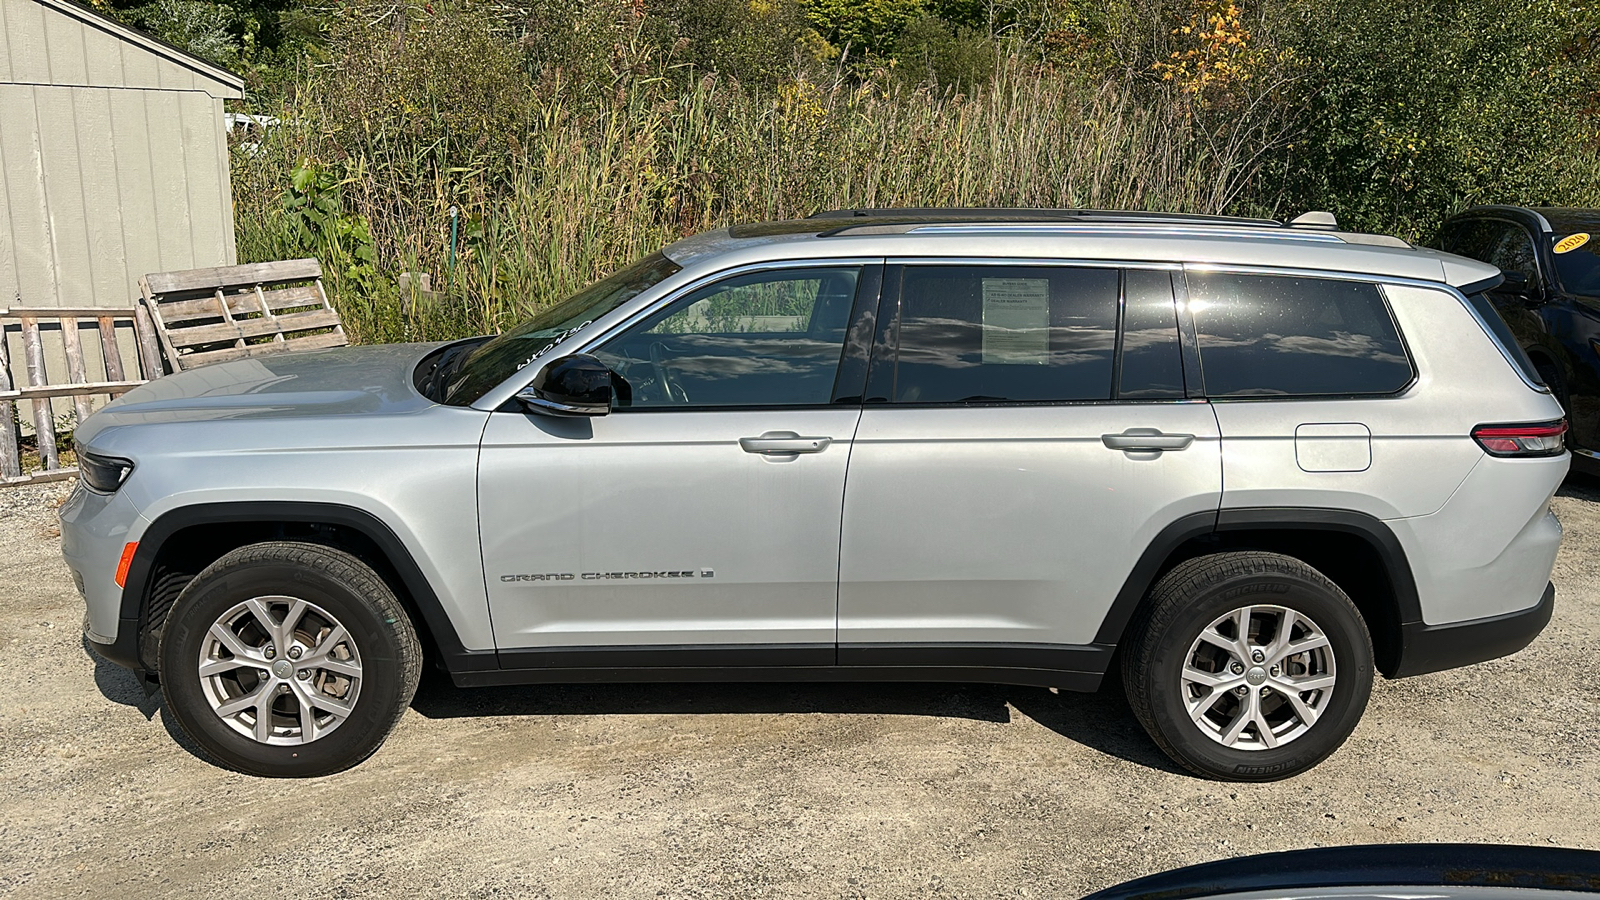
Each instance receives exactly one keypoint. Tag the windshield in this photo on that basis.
(1578, 264)
(496, 360)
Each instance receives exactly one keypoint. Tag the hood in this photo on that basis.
(348, 381)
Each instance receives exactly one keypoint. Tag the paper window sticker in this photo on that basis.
(1016, 321)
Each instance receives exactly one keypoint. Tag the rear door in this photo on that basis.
(1016, 454)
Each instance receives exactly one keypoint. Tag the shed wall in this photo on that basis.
(102, 185)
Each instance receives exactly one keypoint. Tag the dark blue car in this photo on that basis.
(1550, 299)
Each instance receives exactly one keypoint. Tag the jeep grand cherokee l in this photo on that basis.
(1249, 463)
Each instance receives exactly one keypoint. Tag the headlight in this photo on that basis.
(102, 473)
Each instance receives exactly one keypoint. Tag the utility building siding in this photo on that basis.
(113, 158)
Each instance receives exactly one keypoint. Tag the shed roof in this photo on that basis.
(63, 43)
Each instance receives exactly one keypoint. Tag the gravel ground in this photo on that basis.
(751, 790)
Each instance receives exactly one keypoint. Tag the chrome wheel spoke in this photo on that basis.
(263, 615)
(1264, 730)
(1241, 631)
(336, 666)
(230, 642)
(1246, 715)
(1302, 709)
(336, 636)
(1280, 641)
(263, 729)
(1216, 639)
(308, 712)
(1210, 679)
(297, 609)
(1304, 645)
(239, 704)
(1298, 686)
(328, 704)
(218, 666)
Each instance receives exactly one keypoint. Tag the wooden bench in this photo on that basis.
(214, 315)
(40, 390)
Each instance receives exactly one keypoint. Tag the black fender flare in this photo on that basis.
(1371, 529)
(136, 589)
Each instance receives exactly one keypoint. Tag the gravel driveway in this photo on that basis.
(751, 790)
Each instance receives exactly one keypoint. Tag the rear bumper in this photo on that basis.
(1434, 648)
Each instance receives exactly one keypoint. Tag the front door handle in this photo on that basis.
(1146, 440)
(784, 442)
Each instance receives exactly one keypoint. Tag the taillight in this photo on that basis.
(1541, 439)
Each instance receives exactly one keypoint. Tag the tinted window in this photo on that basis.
(764, 339)
(1578, 267)
(1152, 365)
(991, 333)
(1266, 335)
(497, 360)
(1484, 307)
(1513, 251)
(1469, 237)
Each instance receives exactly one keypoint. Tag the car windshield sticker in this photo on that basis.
(1016, 321)
(1572, 242)
(548, 347)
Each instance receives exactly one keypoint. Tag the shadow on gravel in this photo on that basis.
(121, 686)
(1099, 721)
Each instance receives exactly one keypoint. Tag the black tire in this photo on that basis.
(390, 656)
(1198, 592)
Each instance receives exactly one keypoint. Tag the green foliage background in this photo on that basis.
(517, 149)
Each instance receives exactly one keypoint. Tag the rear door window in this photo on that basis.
(981, 334)
(1274, 336)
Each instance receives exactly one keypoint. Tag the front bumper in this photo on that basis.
(1434, 648)
(94, 529)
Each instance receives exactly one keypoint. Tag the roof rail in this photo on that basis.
(958, 214)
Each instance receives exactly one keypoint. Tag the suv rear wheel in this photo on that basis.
(288, 659)
(1248, 666)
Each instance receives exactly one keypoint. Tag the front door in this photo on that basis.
(1026, 436)
(698, 523)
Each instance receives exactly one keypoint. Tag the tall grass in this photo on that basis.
(571, 189)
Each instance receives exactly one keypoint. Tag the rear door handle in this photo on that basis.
(1146, 440)
(784, 442)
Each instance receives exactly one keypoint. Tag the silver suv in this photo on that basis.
(1248, 463)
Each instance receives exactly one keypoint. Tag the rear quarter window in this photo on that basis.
(1502, 335)
(1286, 336)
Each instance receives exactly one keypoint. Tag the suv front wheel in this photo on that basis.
(288, 659)
(1248, 666)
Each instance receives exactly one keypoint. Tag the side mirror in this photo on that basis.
(576, 385)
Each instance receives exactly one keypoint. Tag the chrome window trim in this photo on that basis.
(642, 307)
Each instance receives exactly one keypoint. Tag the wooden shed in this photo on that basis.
(113, 158)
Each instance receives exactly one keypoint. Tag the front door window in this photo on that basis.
(764, 339)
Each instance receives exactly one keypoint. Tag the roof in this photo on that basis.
(1078, 235)
(1570, 219)
(1555, 219)
(38, 45)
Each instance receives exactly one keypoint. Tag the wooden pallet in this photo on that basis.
(40, 390)
(214, 315)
